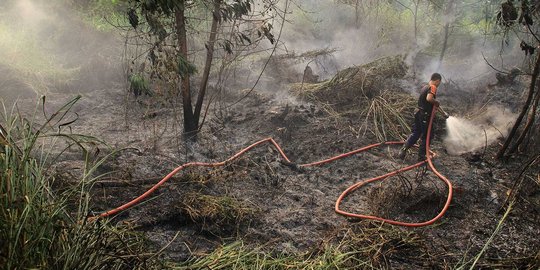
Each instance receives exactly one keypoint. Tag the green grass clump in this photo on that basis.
(221, 210)
(41, 228)
(360, 247)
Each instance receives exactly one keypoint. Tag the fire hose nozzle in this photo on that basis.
(445, 114)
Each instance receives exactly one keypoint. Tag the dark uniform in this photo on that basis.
(421, 121)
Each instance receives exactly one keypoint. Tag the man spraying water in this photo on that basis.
(426, 101)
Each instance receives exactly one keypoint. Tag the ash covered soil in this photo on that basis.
(263, 202)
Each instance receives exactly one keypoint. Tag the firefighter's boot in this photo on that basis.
(422, 151)
(403, 151)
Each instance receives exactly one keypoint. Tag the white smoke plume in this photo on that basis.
(465, 136)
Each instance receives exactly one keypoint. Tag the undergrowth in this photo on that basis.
(41, 228)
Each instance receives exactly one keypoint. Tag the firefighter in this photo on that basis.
(426, 101)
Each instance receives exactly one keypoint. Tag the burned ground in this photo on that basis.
(262, 202)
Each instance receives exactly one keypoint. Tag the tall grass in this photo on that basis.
(43, 228)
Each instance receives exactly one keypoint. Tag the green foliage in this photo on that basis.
(103, 15)
(139, 85)
(235, 10)
(166, 7)
(185, 68)
(228, 12)
(158, 19)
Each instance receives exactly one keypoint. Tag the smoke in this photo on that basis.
(465, 136)
(316, 25)
(467, 61)
(29, 13)
(47, 47)
(384, 30)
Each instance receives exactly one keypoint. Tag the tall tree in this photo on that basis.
(190, 122)
(161, 14)
(216, 18)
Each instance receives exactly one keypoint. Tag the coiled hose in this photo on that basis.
(317, 163)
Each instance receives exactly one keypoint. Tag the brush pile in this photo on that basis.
(366, 95)
(355, 83)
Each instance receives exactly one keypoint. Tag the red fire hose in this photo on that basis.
(382, 177)
(340, 198)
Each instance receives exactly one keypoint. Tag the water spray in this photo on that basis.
(465, 135)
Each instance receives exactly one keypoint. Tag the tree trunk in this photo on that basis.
(528, 125)
(524, 110)
(216, 18)
(190, 122)
(445, 45)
